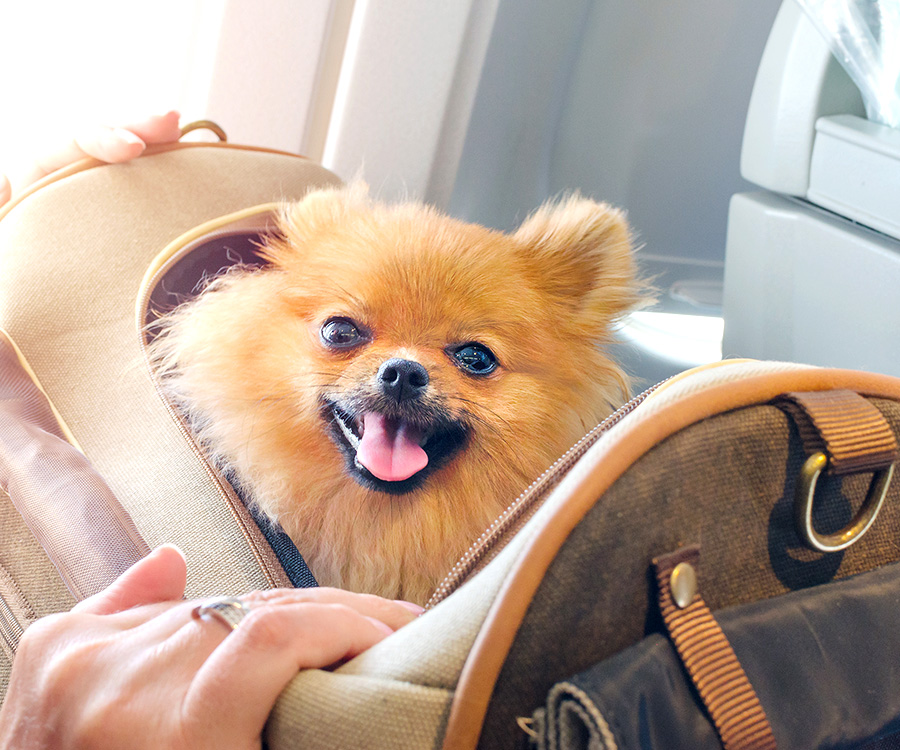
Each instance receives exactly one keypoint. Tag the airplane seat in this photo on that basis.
(812, 260)
(614, 99)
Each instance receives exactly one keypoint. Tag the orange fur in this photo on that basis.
(246, 361)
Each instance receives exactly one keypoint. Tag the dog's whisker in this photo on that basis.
(474, 416)
(282, 397)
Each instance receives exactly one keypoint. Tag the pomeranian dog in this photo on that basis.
(393, 378)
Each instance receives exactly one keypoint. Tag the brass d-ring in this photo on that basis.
(204, 125)
(803, 506)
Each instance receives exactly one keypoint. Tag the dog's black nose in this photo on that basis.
(402, 379)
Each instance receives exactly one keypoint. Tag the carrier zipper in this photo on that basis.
(15, 614)
(11, 629)
(143, 300)
(229, 497)
(491, 541)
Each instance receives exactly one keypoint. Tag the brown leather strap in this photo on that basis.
(711, 662)
(851, 432)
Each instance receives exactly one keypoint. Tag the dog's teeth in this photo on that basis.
(345, 428)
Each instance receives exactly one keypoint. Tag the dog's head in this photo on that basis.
(396, 345)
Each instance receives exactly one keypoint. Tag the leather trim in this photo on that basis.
(583, 487)
(255, 218)
(89, 163)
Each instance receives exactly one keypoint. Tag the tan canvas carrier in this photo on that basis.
(619, 602)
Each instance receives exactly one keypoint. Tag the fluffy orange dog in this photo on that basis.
(394, 378)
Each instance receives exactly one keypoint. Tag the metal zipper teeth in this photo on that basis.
(188, 435)
(11, 629)
(487, 542)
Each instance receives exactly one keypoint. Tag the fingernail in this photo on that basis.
(382, 626)
(126, 136)
(410, 606)
(169, 545)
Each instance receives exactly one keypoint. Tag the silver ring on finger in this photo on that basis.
(229, 610)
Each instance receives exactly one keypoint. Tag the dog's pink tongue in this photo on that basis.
(390, 450)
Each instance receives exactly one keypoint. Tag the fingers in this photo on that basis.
(196, 638)
(115, 144)
(395, 614)
(157, 667)
(106, 144)
(157, 129)
(5, 190)
(159, 577)
(243, 677)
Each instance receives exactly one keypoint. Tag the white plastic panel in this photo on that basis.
(855, 171)
(798, 82)
(804, 285)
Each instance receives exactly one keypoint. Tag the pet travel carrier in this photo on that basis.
(715, 564)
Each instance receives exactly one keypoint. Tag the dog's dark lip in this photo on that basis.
(441, 440)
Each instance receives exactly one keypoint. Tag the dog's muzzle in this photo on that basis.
(394, 439)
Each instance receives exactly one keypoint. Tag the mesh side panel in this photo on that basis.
(68, 507)
(891, 742)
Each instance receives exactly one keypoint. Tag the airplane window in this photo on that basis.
(66, 65)
(263, 71)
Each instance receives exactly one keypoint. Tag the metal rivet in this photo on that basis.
(683, 583)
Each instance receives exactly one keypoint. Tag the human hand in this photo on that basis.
(132, 668)
(107, 144)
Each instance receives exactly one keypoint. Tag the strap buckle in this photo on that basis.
(864, 518)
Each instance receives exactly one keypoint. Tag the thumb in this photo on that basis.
(159, 577)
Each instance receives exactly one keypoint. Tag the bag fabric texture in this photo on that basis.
(818, 657)
(550, 635)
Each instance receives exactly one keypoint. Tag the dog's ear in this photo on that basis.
(317, 213)
(581, 253)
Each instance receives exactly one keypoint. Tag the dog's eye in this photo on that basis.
(341, 333)
(475, 359)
